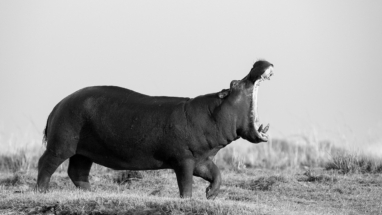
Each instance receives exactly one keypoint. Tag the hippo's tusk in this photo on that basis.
(260, 128)
(265, 129)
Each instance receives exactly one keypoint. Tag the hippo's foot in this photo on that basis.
(212, 193)
(40, 189)
(78, 171)
(210, 172)
(85, 186)
(47, 164)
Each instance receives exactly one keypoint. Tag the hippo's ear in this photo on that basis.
(224, 93)
(233, 83)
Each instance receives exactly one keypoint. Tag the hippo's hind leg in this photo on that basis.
(210, 172)
(47, 164)
(78, 171)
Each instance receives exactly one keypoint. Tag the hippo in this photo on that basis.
(125, 130)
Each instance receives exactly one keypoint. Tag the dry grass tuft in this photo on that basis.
(127, 176)
(312, 176)
(263, 183)
(17, 179)
(13, 162)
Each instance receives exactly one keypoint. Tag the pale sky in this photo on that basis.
(327, 57)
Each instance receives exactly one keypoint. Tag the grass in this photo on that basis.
(253, 191)
(303, 176)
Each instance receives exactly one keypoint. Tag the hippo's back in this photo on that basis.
(114, 122)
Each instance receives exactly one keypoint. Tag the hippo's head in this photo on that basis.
(241, 100)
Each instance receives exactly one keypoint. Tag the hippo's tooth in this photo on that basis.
(260, 131)
(254, 100)
(264, 135)
(260, 128)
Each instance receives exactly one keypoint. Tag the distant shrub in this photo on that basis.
(13, 162)
(277, 154)
(18, 178)
(347, 162)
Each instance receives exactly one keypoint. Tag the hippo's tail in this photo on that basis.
(45, 133)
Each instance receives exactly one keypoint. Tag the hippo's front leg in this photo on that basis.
(183, 173)
(210, 172)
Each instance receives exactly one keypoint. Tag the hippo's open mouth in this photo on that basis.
(259, 130)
